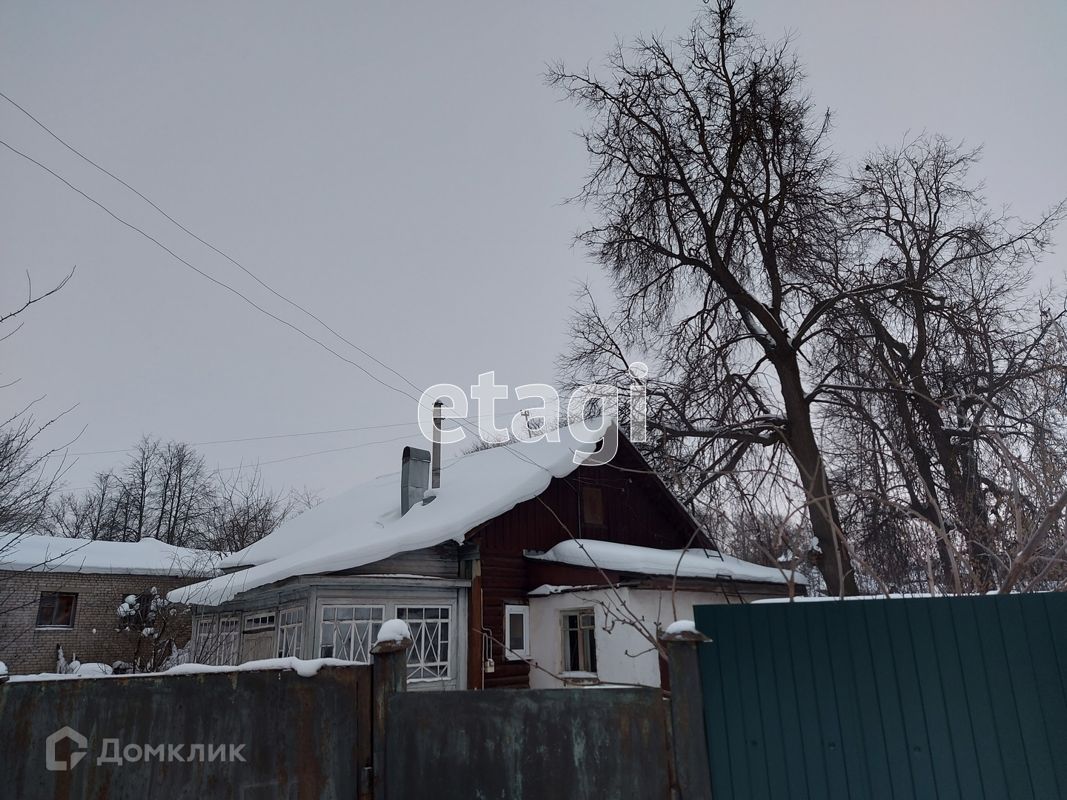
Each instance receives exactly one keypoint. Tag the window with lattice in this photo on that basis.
(348, 632)
(291, 633)
(430, 633)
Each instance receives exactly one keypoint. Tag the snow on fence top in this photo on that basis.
(694, 563)
(305, 668)
(31, 552)
(393, 630)
(681, 626)
(364, 525)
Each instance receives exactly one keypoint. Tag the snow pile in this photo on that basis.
(364, 524)
(393, 630)
(681, 626)
(547, 589)
(3, 669)
(22, 552)
(650, 561)
(835, 598)
(91, 670)
(304, 668)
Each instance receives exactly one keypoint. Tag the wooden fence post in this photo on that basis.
(688, 736)
(389, 675)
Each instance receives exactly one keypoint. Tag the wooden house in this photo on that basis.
(535, 564)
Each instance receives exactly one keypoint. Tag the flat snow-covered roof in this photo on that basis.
(694, 563)
(36, 553)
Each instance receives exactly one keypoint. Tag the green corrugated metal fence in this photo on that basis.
(916, 698)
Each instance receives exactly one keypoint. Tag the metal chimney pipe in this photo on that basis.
(435, 481)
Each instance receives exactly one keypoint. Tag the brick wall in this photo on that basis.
(94, 636)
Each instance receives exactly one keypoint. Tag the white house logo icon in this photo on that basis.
(76, 755)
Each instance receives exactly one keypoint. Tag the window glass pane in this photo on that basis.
(592, 505)
(47, 609)
(572, 663)
(516, 632)
(64, 610)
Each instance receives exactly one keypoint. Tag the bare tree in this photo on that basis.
(165, 491)
(862, 348)
(709, 178)
(948, 395)
(244, 510)
(27, 477)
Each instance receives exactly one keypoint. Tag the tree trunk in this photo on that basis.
(834, 562)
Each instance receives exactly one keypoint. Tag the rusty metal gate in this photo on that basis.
(253, 735)
(581, 744)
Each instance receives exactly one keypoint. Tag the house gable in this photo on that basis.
(637, 509)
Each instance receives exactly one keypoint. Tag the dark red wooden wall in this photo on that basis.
(638, 510)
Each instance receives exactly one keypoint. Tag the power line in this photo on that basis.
(253, 438)
(231, 289)
(218, 282)
(272, 436)
(204, 242)
(308, 455)
(203, 274)
(248, 272)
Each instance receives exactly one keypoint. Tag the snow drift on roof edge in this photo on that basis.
(694, 563)
(38, 553)
(364, 525)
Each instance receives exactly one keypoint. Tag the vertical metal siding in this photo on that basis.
(918, 698)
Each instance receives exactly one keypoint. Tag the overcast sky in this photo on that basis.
(397, 168)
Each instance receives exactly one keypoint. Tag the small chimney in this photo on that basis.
(414, 477)
(437, 444)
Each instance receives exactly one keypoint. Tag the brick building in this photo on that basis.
(57, 592)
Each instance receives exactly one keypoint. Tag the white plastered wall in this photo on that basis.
(624, 655)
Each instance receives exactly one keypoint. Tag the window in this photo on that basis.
(229, 640)
(516, 632)
(205, 641)
(262, 621)
(291, 633)
(579, 640)
(428, 657)
(592, 505)
(56, 610)
(348, 632)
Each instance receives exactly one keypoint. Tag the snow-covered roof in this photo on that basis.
(32, 552)
(693, 563)
(363, 525)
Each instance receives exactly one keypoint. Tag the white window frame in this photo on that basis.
(426, 639)
(291, 632)
(206, 628)
(259, 621)
(564, 628)
(229, 640)
(512, 653)
(363, 632)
